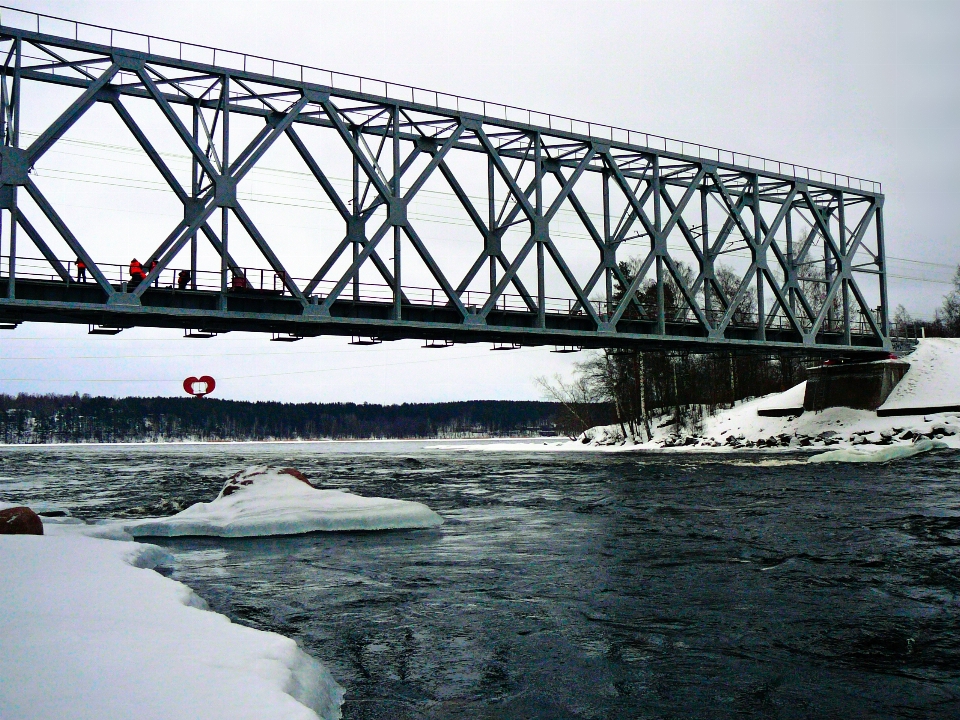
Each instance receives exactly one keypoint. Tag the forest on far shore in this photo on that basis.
(37, 419)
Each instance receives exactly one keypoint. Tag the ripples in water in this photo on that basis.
(578, 586)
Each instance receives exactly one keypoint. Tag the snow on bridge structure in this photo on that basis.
(429, 215)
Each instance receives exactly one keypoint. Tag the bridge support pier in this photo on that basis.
(863, 386)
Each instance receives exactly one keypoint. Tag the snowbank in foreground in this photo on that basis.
(266, 501)
(88, 631)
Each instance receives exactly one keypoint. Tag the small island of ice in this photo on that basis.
(268, 501)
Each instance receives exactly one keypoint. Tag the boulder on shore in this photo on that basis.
(20, 521)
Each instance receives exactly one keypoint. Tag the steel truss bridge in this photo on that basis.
(812, 277)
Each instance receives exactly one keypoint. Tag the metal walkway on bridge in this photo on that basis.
(735, 252)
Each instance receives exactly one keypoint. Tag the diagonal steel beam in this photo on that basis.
(320, 176)
(632, 289)
(41, 245)
(334, 116)
(506, 279)
(865, 309)
(268, 253)
(567, 186)
(256, 148)
(437, 158)
(685, 291)
(434, 269)
(355, 265)
(185, 135)
(572, 282)
(47, 209)
(174, 244)
(69, 116)
(824, 228)
(518, 194)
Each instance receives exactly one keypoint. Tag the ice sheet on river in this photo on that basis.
(884, 454)
(268, 501)
(89, 632)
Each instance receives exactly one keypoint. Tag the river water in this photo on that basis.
(577, 585)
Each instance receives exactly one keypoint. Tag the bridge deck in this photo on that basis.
(265, 305)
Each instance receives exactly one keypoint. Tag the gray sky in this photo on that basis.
(862, 88)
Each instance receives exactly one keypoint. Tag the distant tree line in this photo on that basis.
(945, 323)
(81, 418)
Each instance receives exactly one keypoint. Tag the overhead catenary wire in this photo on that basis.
(262, 375)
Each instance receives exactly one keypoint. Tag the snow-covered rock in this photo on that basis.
(268, 501)
(88, 631)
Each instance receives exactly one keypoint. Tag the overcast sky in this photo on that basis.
(863, 88)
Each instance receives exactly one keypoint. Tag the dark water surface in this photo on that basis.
(578, 585)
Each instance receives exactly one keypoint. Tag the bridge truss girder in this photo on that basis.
(396, 147)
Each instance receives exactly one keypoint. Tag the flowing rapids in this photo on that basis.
(577, 585)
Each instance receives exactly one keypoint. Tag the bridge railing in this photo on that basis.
(265, 281)
(491, 111)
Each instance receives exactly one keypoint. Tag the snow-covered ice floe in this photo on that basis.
(877, 455)
(268, 501)
(88, 632)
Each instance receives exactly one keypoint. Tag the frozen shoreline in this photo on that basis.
(90, 631)
(932, 381)
(322, 441)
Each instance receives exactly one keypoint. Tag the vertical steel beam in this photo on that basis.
(759, 259)
(706, 263)
(225, 211)
(15, 140)
(791, 269)
(659, 244)
(607, 248)
(352, 231)
(540, 228)
(845, 289)
(194, 194)
(491, 220)
(397, 230)
(827, 268)
(882, 263)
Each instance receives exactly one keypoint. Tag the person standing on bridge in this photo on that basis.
(183, 279)
(136, 271)
(81, 271)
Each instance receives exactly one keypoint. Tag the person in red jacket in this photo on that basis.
(81, 271)
(136, 271)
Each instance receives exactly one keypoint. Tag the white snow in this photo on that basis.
(275, 503)
(89, 632)
(788, 400)
(933, 380)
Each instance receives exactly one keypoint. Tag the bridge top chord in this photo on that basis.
(280, 70)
